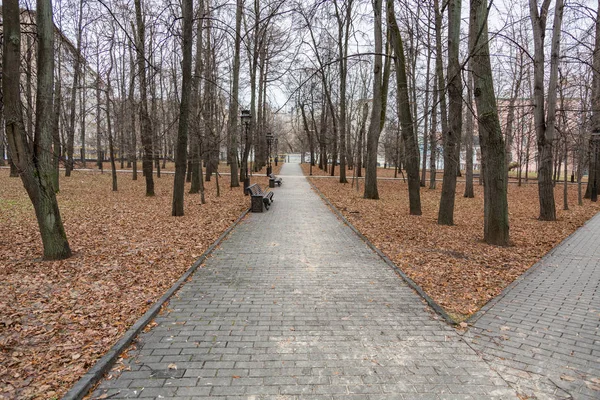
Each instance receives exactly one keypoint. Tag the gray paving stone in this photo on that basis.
(293, 305)
(546, 325)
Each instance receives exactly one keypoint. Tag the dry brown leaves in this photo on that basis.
(58, 318)
(452, 263)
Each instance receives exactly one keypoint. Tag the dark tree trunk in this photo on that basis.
(73, 105)
(145, 122)
(452, 135)
(371, 191)
(433, 139)
(404, 114)
(232, 126)
(544, 125)
(184, 108)
(469, 132)
(490, 133)
(111, 148)
(56, 136)
(34, 160)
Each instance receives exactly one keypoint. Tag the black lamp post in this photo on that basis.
(311, 156)
(276, 151)
(595, 140)
(246, 117)
(269, 142)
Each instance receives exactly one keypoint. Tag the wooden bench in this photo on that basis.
(274, 180)
(258, 198)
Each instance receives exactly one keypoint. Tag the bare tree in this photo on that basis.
(187, 11)
(145, 121)
(232, 126)
(371, 191)
(490, 134)
(545, 120)
(452, 135)
(404, 114)
(33, 159)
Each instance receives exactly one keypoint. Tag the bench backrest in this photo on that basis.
(255, 190)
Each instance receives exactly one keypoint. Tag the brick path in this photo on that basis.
(293, 305)
(543, 335)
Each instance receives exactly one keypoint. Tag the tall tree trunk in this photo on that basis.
(544, 126)
(82, 112)
(426, 118)
(490, 133)
(371, 191)
(187, 11)
(145, 122)
(111, 148)
(133, 111)
(343, 36)
(56, 134)
(452, 135)
(232, 126)
(34, 160)
(99, 152)
(595, 121)
(433, 139)
(404, 113)
(73, 104)
(469, 131)
(439, 67)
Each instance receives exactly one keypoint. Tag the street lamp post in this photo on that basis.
(595, 140)
(311, 162)
(246, 117)
(269, 142)
(276, 151)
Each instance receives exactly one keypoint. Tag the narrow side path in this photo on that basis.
(294, 305)
(543, 335)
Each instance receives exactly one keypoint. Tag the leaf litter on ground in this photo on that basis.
(59, 317)
(452, 263)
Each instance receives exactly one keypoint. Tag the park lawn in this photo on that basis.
(452, 263)
(58, 318)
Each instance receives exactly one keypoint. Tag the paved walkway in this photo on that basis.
(293, 305)
(543, 335)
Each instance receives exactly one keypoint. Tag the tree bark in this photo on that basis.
(371, 191)
(111, 148)
(544, 126)
(76, 67)
(433, 139)
(469, 131)
(404, 114)
(595, 121)
(145, 122)
(232, 126)
(187, 8)
(33, 160)
(451, 136)
(490, 133)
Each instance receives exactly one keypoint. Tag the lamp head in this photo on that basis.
(245, 117)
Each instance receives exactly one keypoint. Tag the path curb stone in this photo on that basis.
(436, 307)
(104, 364)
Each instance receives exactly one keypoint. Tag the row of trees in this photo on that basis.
(532, 104)
(159, 80)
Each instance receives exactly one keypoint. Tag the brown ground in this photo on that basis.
(391, 173)
(452, 264)
(58, 318)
